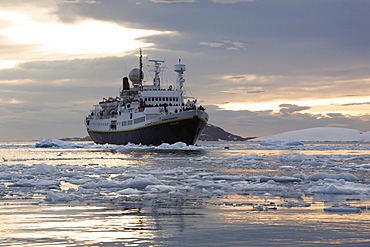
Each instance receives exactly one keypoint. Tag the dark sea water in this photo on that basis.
(212, 194)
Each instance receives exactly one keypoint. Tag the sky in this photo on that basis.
(260, 67)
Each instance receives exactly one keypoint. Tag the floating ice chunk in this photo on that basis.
(242, 157)
(258, 187)
(271, 181)
(295, 157)
(130, 191)
(22, 183)
(208, 184)
(301, 176)
(290, 204)
(345, 176)
(160, 188)
(203, 159)
(205, 192)
(177, 145)
(366, 166)
(281, 143)
(341, 209)
(49, 143)
(140, 182)
(53, 197)
(218, 192)
(272, 143)
(310, 163)
(228, 177)
(11, 176)
(176, 194)
(340, 187)
(287, 168)
(43, 169)
(283, 179)
(35, 183)
(294, 143)
(103, 184)
(73, 174)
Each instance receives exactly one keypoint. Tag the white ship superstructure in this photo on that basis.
(148, 114)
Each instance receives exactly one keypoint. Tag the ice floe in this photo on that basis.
(49, 143)
(149, 173)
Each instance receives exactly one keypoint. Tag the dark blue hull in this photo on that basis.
(183, 130)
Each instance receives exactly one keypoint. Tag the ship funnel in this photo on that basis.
(126, 84)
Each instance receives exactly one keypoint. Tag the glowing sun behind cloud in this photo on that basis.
(89, 38)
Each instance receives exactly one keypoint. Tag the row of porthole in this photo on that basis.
(162, 99)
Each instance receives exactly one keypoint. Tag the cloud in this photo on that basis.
(264, 123)
(355, 104)
(259, 55)
(231, 1)
(228, 45)
(210, 44)
(256, 91)
(88, 38)
(287, 109)
(173, 1)
(10, 101)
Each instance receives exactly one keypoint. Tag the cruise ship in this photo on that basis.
(148, 114)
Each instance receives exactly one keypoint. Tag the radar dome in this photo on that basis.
(135, 75)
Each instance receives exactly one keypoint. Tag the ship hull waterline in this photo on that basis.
(185, 130)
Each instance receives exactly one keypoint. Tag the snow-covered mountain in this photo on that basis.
(320, 134)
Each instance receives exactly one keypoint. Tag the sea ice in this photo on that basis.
(344, 176)
(49, 143)
(57, 197)
(130, 191)
(330, 186)
(42, 169)
(342, 209)
(140, 182)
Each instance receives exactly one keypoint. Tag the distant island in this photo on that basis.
(210, 133)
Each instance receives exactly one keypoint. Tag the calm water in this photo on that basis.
(201, 205)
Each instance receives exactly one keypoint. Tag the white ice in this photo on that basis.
(303, 174)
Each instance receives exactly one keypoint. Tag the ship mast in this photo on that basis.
(157, 71)
(180, 69)
(141, 69)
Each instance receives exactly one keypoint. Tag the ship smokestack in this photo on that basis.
(126, 84)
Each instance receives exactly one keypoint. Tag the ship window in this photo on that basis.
(124, 123)
(129, 122)
(130, 115)
(139, 120)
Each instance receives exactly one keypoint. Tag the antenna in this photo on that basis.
(141, 68)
